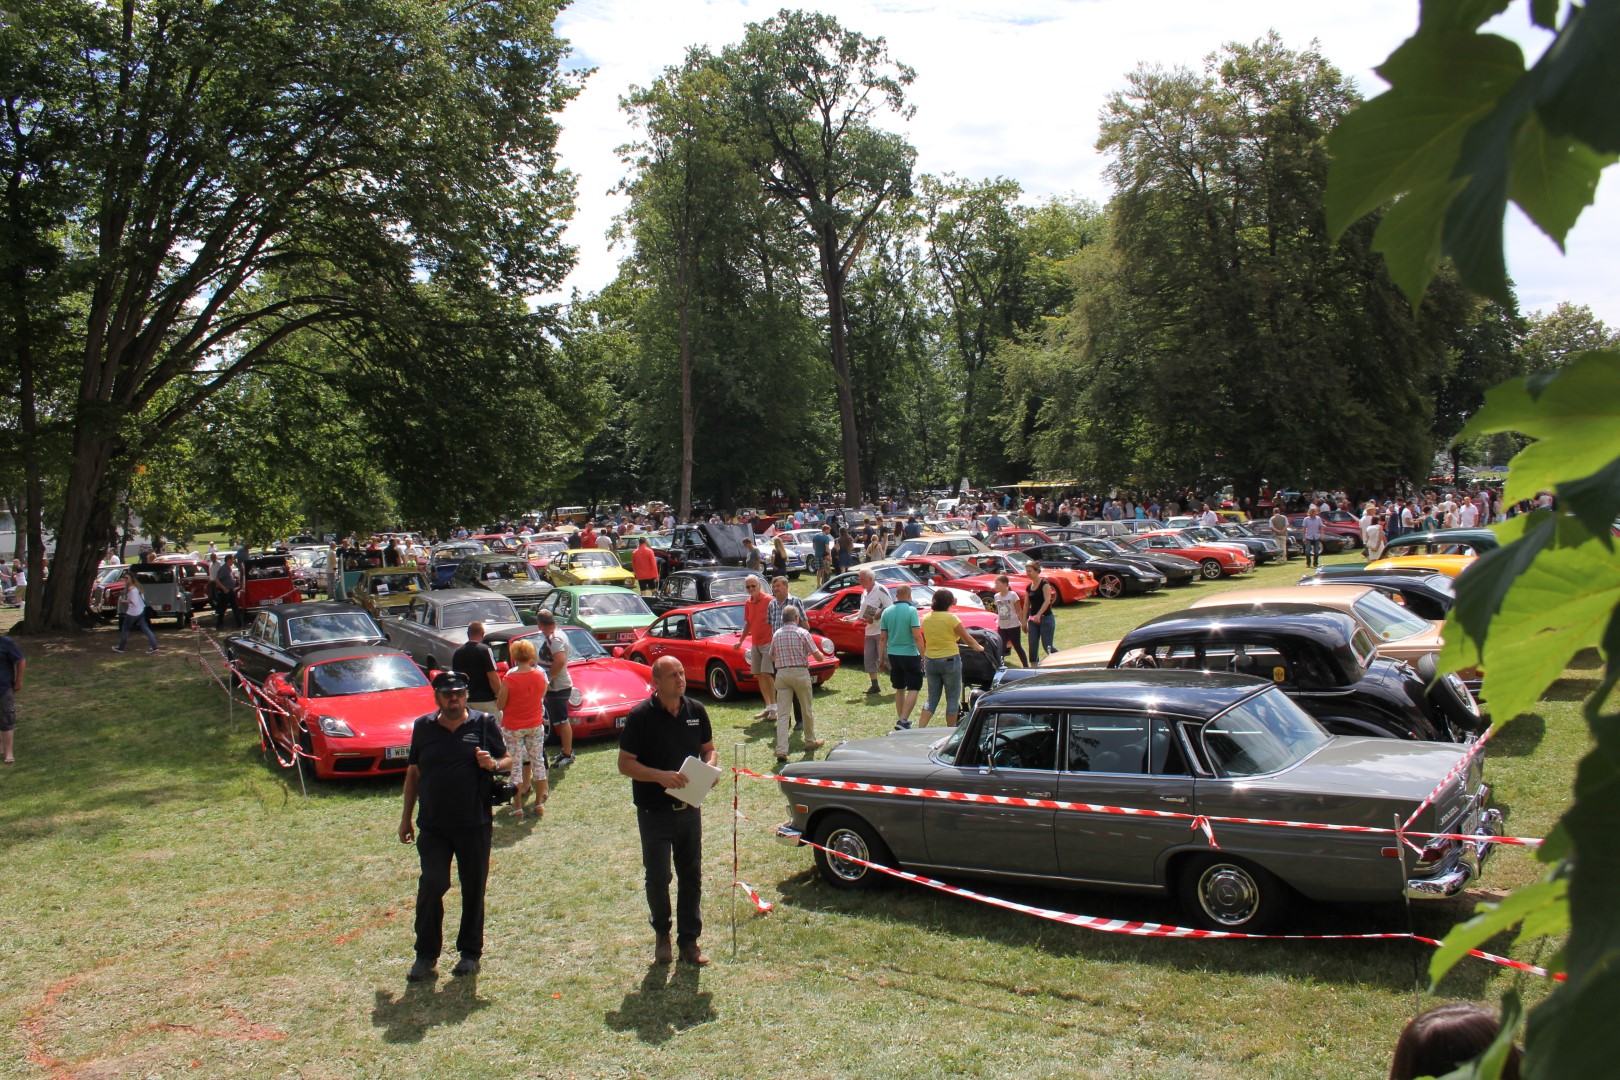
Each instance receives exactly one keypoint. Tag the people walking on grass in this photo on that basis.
(12, 663)
(1042, 597)
(224, 597)
(1311, 526)
(523, 723)
(134, 613)
(874, 600)
(942, 632)
(1012, 618)
(553, 650)
(900, 639)
(792, 650)
(758, 630)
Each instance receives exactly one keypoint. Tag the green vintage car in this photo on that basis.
(628, 543)
(614, 616)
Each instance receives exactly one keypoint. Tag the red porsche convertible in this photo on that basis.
(704, 639)
(350, 709)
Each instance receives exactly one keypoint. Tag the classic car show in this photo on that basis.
(889, 541)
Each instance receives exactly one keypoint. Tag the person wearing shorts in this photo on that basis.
(1010, 613)
(553, 655)
(900, 641)
(874, 600)
(758, 630)
(523, 724)
(11, 678)
(942, 661)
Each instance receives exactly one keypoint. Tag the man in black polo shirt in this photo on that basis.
(474, 660)
(659, 735)
(453, 751)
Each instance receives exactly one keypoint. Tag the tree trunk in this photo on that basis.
(688, 415)
(962, 433)
(86, 512)
(832, 278)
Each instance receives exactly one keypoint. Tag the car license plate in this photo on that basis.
(396, 753)
(618, 721)
(273, 601)
(627, 637)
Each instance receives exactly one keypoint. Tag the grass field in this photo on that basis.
(172, 905)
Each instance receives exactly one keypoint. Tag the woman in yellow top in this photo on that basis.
(942, 663)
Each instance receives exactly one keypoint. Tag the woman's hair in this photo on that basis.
(1438, 1041)
(1001, 579)
(523, 652)
(944, 600)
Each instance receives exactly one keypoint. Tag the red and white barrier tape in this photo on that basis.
(764, 906)
(1199, 821)
(1456, 770)
(1136, 928)
(259, 701)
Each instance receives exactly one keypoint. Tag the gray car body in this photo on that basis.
(1347, 781)
(421, 631)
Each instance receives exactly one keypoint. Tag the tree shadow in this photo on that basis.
(408, 1016)
(1518, 737)
(1571, 689)
(665, 1004)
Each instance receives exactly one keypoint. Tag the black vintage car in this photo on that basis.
(446, 557)
(1116, 575)
(513, 576)
(277, 638)
(683, 588)
(1177, 569)
(1324, 660)
(1296, 537)
(703, 545)
(1333, 543)
(1426, 594)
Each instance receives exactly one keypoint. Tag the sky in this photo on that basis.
(1014, 88)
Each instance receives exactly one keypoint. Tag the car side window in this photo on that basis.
(1108, 743)
(686, 588)
(849, 605)
(680, 627)
(1013, 740)
(1165, 756)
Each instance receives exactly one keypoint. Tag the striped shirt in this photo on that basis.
(791, 646)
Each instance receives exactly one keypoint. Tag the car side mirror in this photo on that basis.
(618, 650)
(502, 668)
(278, 684)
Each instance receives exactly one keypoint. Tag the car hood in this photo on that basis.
(599, 573)
(1426, 642)
(1164, 560)
(1390, 768)
(607, 681)
(1096, 654)
(616, 622)
(516, 590)
(726, 541)
(387, 714)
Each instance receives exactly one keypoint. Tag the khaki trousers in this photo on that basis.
(793, 682)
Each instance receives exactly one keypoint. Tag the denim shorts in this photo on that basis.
(944, 675)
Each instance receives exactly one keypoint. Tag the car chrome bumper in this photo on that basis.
(788, 835)
(1470, 860)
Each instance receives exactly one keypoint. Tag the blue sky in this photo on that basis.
(1014, 88)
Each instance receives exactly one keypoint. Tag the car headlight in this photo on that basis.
(334, 728)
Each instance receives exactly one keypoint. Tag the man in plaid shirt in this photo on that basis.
(792, 649)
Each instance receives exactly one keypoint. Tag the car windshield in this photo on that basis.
(495, 609)
(727, 588)
(712, 622)
(266, 569)
(908, 548)
(111, 573)
(581, 645)
(457, 551)
(1262, 734)
(507, 570)
(364, 675)
(591, 559)
(956, 568)
(614, 602)
(1232, 528)
(546, 549)
(1149, 543)
(1100, 547)
(1202, 532)
(332, 626)
(399, 581)
(1387, 620)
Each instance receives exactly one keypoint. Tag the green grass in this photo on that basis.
(171, 903)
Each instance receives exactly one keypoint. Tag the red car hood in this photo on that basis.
(386, 715)
(608, 681)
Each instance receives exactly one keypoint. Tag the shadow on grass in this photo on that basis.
(1518, 737)
(1391, 965)
(1571, 689)
(666, 1003)
(407, 1017)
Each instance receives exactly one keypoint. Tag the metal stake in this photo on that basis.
(736, 873)
(1400, 848)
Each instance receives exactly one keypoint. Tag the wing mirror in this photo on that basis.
(278, 684)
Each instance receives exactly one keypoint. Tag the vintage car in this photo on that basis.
(308, 569)
(1323, 659)
(1219, 746)
(1334, 541)
(511, 575)
(276, 638)
(1450, 565)
(606, 687)
(1177, 569)
(107, 590)
(1115, 575)
(837, 617)
(384, 591)
(952, 543)
(1262, 549)
(1214, 560)
(1262, 527)
(614, 616)
(265, 579)
(541, 552)
(345, 567)
(705, 544)
(588, 566)
(704, 639)
(1099, 527)
(1443, 542)
(1425, 593)
(1400, 634)
(886, 571)
(1013, 539)
(684, 588)
(434, 625)
(349, 709)
(961, 575)
(1073, 584)
(659, 542)
(166, 585)
(444, 559)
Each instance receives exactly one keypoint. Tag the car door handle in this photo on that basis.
(1179, 800)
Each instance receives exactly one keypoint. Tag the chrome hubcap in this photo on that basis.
(847, 842)
(1110, 586)
(1228, 894)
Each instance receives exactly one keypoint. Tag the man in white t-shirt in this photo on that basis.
(1468, 514)
(553, 650)
(874, 600)
(1209, 517)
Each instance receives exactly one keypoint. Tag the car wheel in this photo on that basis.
(637, 658)
(1221, 893)
(722, 687)
(1210, 569)
(988, 599)
(847, 834)
(1111, 586)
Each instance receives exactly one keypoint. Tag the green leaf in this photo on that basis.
(1581, 95)
(1544, 13)
(1409, 235)
(1464, 15)
(1480, 593)
(1546, 901)
(1554, 177)
(1410, 136)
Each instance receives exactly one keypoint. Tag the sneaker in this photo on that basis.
(421, 971)
(902, 725)
(563, 761)
(118, 648)
(152, 650)
(467, 965)
(815, 744)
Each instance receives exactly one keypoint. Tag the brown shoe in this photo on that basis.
(663, 951)
(693, 954)
(815, 744)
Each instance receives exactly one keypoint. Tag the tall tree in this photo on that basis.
(1551, 337)
(239, 173)
(810, 90)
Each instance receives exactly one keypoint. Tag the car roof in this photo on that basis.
(1447, 536)
(689, 608)
(1197, 693)
(597, 587)
(340, 652)
(1286, 596)
(313, 607)
(450, 596)
(715, 572)
(1320, 624)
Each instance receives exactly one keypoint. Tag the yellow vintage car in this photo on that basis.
(588, 566)
(385, 591)
(1450, 565)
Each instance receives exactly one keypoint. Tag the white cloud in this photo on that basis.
(1014, 88)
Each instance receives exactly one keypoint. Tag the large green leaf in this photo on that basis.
(1542, 907)
(1464, 15)
(1554, 177)
(1581, 98)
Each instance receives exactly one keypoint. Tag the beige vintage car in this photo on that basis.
(1398, 633)
(385, 592)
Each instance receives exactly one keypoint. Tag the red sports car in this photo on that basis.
(1072, 585)
(350, 709)
(704, 639)
(1011, 539)
(837, 615)
(961, 575)
(606, 688)
(1214, 560)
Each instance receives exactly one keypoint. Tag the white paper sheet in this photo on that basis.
(700, 777)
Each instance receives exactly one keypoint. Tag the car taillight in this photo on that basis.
(1435, 851)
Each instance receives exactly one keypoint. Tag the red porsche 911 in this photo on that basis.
(704, 639)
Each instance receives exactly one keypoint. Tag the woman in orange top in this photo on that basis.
(523, 725)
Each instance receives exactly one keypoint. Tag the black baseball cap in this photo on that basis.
(449, 680)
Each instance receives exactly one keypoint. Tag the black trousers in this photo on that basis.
(673, 837)
(470, 847)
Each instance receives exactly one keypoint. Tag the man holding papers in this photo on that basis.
(659, 735)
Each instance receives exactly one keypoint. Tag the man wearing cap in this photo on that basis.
(559, 687)
(659, 735)
(453, 752)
